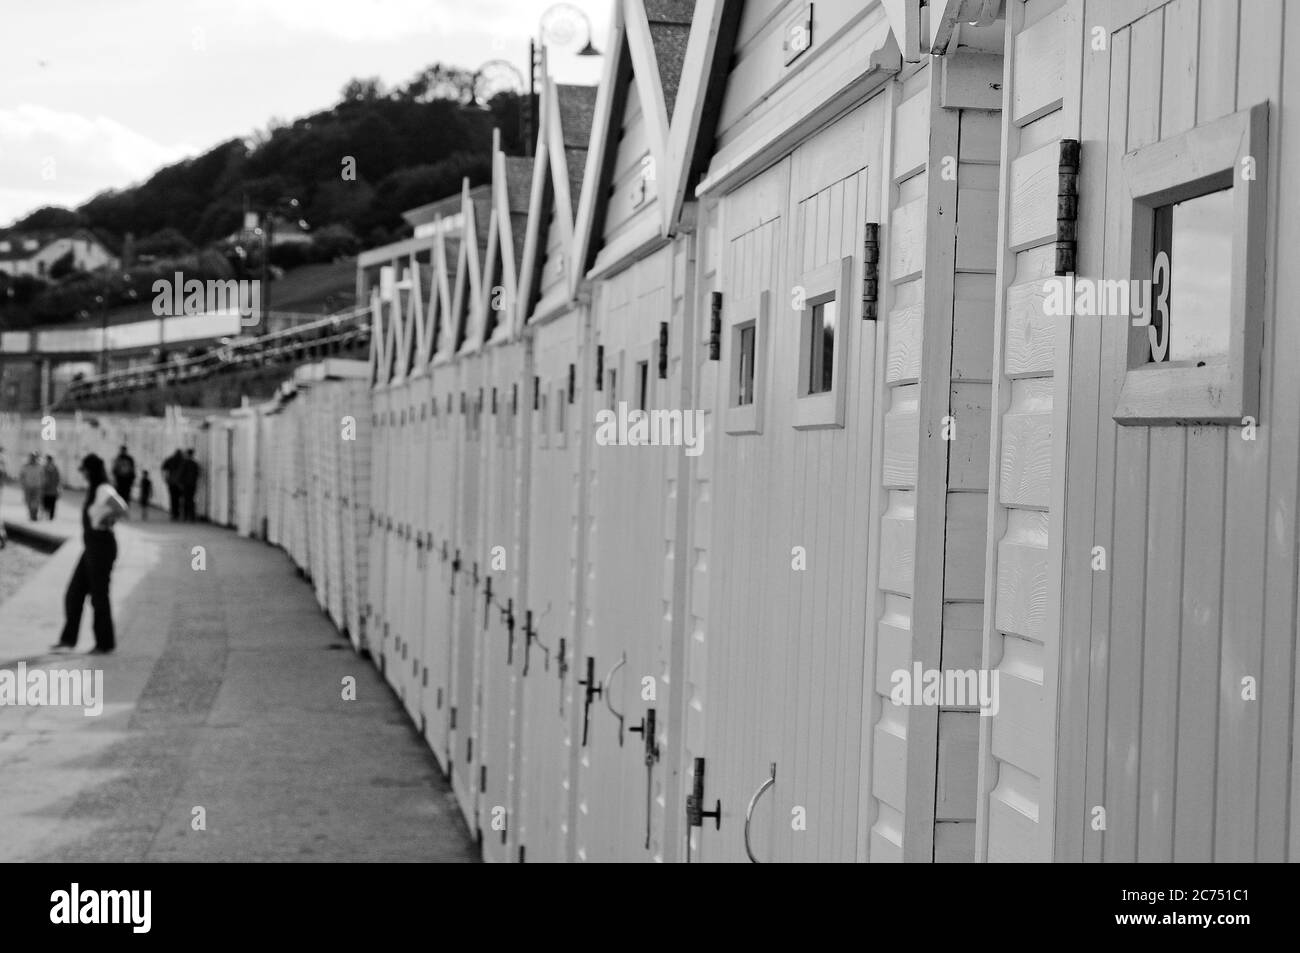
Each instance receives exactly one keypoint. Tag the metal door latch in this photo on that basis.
(695, 813)
(593, 689)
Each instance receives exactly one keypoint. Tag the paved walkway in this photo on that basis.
(225, 694)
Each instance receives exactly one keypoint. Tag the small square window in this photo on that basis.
(1190, 281)
(745, 364)
(823, 345)
(1194, 225)
(746, 345)
(821, 350)
(642, 384)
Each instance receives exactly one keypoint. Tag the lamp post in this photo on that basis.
(268, 241)
(103, 335)
(556, 27)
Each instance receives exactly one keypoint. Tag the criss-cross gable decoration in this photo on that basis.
(547, 283)
(628, 173)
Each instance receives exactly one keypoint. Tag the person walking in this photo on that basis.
(4, 480)
(103, 508)
(124, 474)
(189, 480)
(32, 479)
(146, 493)
(51, 487)
(171, 469)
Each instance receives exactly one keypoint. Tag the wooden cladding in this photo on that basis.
(1067, 207)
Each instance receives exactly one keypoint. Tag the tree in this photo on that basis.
(363, 90)
(164, 243)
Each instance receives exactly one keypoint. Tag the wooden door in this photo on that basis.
(550, 603)
(629, 586)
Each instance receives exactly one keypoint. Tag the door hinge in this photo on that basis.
(1067, 207)
(715, 326)
(600, 367)
(695, 813)
(870, 271)
(663, 350)
(452, 726)
(482, 777)
(572, 381)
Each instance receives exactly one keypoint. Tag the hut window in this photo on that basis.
(746, 346)
(1194, 222)
(745, 363)
(612, 388)
(561, 402)
(642, 384)
(1189, 280)
(823, 344)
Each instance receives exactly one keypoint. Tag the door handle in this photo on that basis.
(647, 731)
(593, 688)
(749, 812)
(609, 695)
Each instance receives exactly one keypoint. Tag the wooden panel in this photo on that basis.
(1030, 330)
(977, 220)
(1019, 731)
(954, 842)
(889, 756)
(1038, 79)
(1034, 182)
(968, 455)
(955, 786)
(1013, 817)
(1025, 467)
(897, 543)
(903, 363)
(907, 240)
(963, 566)
(911, 135)
(902, 426)
(1022, 575)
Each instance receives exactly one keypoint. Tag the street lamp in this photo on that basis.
(288, 205)
(103, 335)
(557, 27)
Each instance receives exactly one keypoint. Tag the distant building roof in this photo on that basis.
(19, 246)
(424, 214)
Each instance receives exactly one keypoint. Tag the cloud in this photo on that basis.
(54, 157)
(354, 21)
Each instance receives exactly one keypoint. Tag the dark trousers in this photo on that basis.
(144, 506)
(187, 506)
(90, 578)
(174, 496)
(47, 503)
(123, 488)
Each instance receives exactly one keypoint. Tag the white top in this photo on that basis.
(106, 508)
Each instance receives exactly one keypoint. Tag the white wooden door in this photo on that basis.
(622, 794)
(553, 514)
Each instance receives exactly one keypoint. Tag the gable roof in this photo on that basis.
(18, 241)
(564, 130)
(648, 46)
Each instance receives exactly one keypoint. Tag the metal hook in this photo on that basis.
(749, 812)
(609, 695)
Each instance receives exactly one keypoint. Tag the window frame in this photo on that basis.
(754, 312)
(831, 281)
(1202, 160)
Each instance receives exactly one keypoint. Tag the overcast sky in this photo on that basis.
(97, 94)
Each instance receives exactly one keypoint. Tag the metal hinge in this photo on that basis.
(870, 271)
(715, 326)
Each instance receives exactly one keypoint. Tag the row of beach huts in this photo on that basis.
(823, 240)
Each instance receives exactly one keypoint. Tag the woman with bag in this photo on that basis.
(103, 508)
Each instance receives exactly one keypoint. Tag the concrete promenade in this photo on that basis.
(226, 695)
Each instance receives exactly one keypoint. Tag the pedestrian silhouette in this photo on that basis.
(103, 508)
